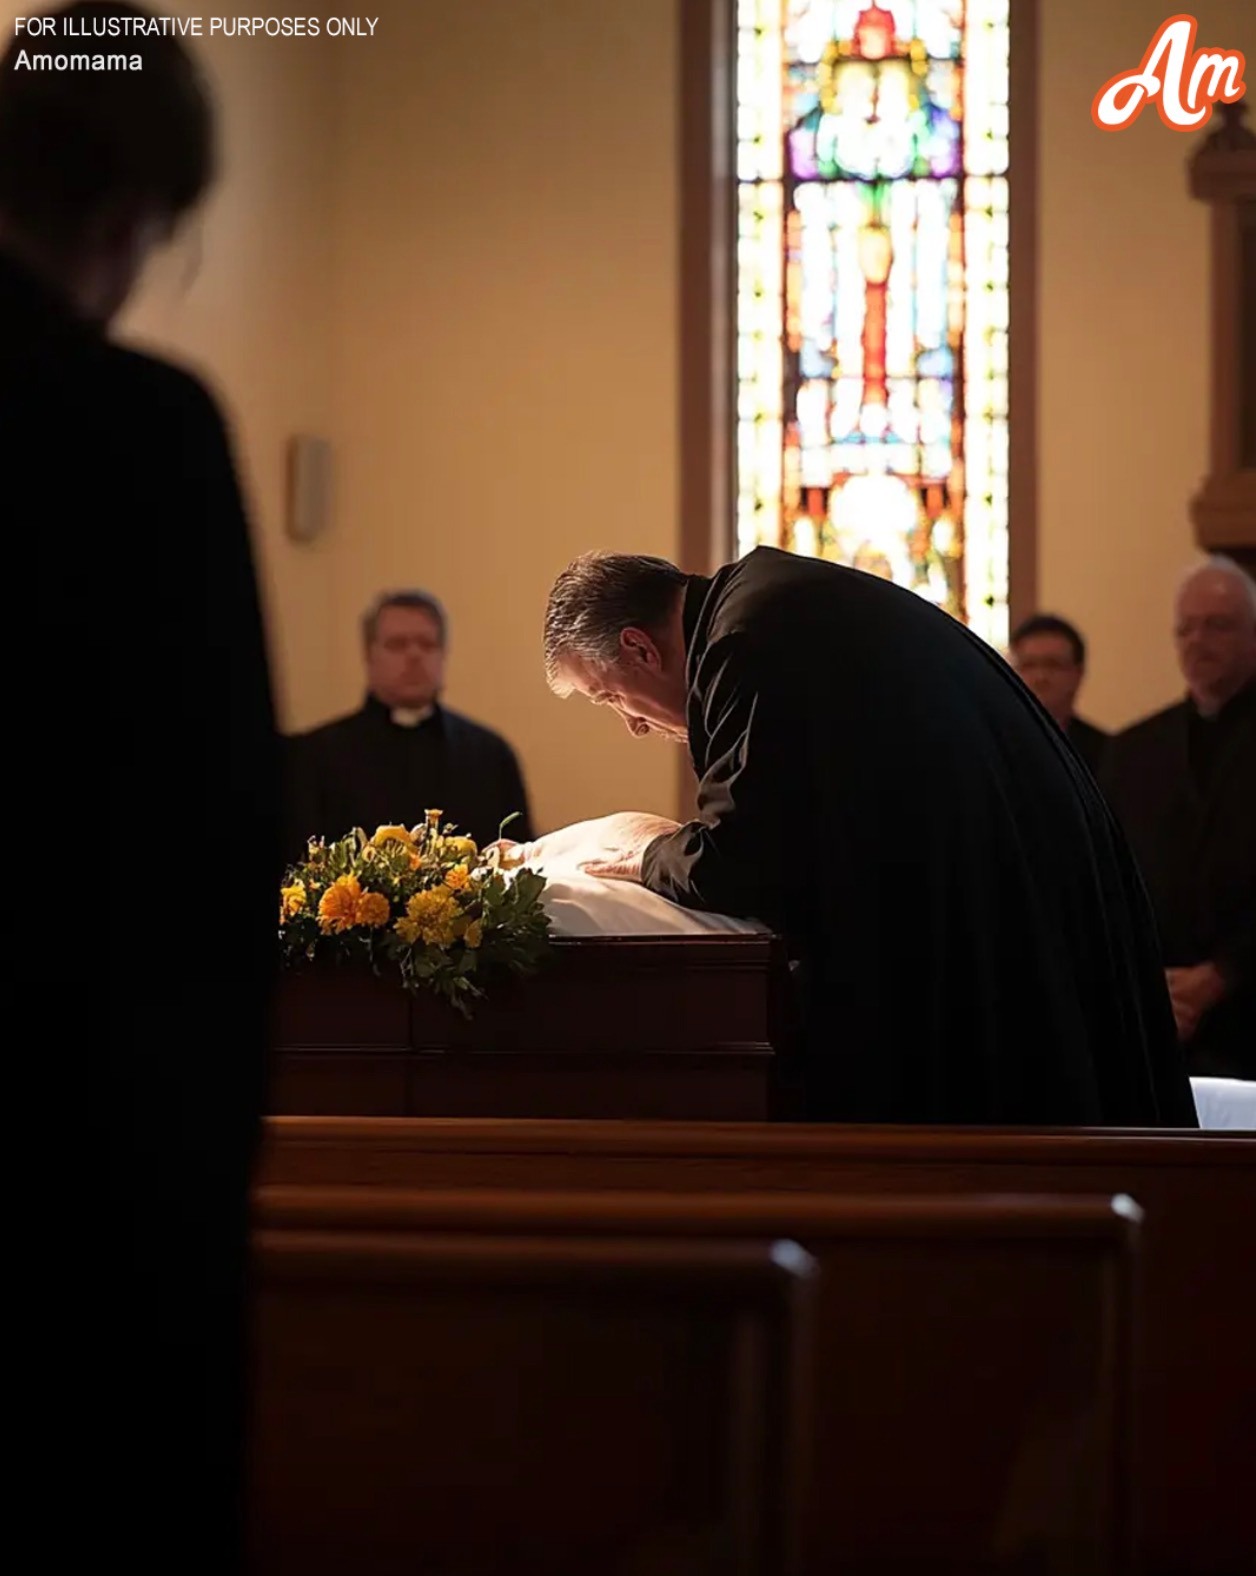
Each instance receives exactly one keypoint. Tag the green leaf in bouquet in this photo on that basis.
(507, 907)
(527, 887)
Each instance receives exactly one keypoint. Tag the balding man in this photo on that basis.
(1183, 782)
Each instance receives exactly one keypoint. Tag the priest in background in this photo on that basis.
(403, 752)
(969, 932)
(146, 822)
(1050, 656)
(1183, 783)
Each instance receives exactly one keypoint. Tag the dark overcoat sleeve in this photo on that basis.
(738, 855)
(1236, 956)
(251, 786)
(189, 676)
(195, 812)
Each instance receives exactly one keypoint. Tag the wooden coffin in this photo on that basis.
(672, 1028)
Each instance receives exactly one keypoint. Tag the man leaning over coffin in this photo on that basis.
(967, 929)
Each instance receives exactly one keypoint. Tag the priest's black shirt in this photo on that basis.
(1089, 742)
(368, 770)
(972, 941)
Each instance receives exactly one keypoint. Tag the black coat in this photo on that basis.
(974, 944)
(150, 805)
(1194, 835)
(364, 770)
(1089, 742)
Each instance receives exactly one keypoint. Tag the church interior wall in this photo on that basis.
(454, 254)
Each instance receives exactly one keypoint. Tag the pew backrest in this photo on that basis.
(970, 1379)
(1196, 1360)
(464, 1401)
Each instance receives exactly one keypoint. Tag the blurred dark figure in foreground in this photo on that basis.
(153, 770)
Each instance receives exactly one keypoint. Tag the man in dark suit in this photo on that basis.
(1050, 656)
(970, 934)
(1183, 782)
(152, 779)
(403, 753)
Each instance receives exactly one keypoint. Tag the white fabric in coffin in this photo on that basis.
(584, 905)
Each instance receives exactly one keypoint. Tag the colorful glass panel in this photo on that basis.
(872, 291)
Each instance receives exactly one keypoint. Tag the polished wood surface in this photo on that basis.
(446, 1396)
(969, 1387)
(665, 1028)
(1196, 1362)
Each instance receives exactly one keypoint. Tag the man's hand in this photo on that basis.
(1193, 992)
(625, 838)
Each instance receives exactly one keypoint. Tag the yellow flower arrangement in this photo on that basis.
(291, 900)
(431, 917)
(420, 900)
(374, 910)
(338, 906)
(392, 834)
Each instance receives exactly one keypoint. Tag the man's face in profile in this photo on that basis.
(1048, 666)
(648, 698)
(405, 661)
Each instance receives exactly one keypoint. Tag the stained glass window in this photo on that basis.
(872, 291)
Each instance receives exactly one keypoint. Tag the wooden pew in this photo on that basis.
(1196, 1361)
(433, 1395)
(969, 1401)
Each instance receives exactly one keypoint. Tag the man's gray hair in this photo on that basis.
(599, 596)
(1221, 563)
(421, 601)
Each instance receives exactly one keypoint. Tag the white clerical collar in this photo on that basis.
(404, 717)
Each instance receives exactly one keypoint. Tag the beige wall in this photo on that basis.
(506, 372)
(453, 250)
(247, 299)
(1123, 388)
(473, 294)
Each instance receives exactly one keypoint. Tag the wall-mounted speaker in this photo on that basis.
(309, 488)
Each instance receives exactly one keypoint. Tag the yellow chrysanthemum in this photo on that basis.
(458, 879)
(291, 900)
(474, 934)
(460, 847)
(338, 906)
(392, 834)
(373, 910)
(431, 917)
